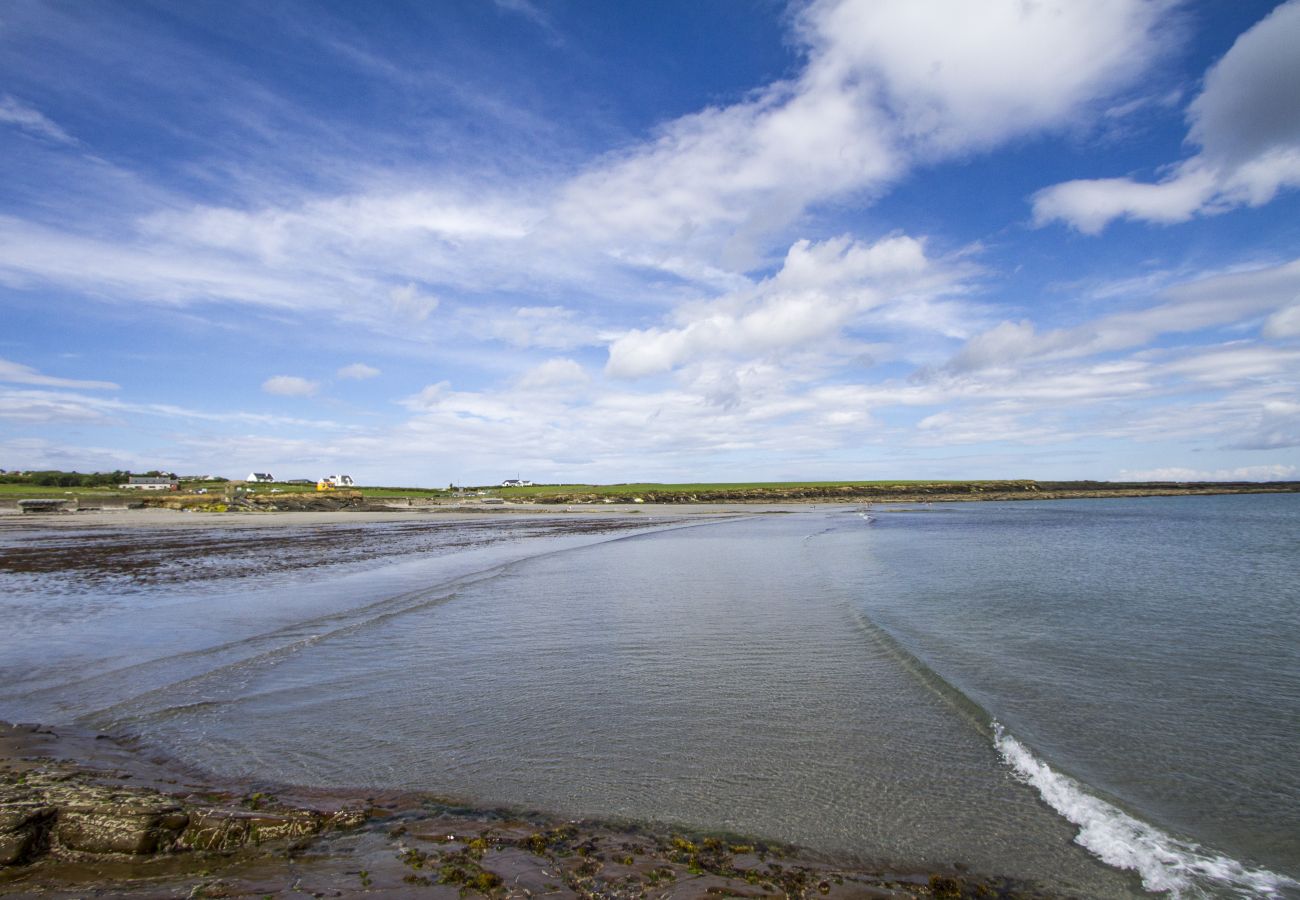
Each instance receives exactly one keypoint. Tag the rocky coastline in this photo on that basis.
(87, 815)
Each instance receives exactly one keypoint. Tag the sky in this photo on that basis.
(579, 241)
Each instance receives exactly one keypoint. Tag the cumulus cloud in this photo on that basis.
(957, 75)
(554, 373)
(1243, 473)
(1246, 122)
(290, 386)
(821, 288)
(358, 372)
(17, 373)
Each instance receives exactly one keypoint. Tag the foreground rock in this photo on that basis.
(115, 824)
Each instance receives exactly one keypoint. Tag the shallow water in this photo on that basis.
(821, 678)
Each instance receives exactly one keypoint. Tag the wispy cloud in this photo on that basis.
(704, 199)
(62, 407)
(32, 121)
(1242, 473)
(17, 373)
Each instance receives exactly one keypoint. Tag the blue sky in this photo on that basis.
(459, 242)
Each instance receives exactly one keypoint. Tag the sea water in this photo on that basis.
(1103, 696)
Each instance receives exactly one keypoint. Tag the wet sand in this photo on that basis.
(84, 814)
(153, 517)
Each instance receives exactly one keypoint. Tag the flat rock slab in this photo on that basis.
(135, 827)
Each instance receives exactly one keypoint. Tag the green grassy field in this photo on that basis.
(29, 491)
(532, 492)
(612, 490)
(687, 492)
(25, 491)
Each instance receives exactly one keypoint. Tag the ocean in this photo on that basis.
(1102, 696)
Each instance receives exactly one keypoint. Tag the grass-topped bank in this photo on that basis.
(221, 495)
(860, 491)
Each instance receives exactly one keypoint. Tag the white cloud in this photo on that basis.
(886, 81)
(821, 289)
(157, 272)
(1090, 205)
(1206, 302)
(1243, 473)
(546, 327)
(1246, 122)
(702, 201)
(554, 373)
(988, 423)
(962, 75)
(49, 407)
(358, 371)
(668, 252)
(290, 386)
(408, 301)
(41, 453)
(1249, 105)
(1235, 363)
(32, 121)
(1284, 323)
(17, 373)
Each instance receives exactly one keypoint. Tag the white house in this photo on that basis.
(259, 477)
(339, 480)
(516, 482)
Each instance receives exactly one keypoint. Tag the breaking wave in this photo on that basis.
(1164, 863)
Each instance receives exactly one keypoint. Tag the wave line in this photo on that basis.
(1164, 863)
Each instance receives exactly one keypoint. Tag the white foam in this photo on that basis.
(1165, 863)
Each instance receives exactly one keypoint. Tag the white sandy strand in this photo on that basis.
(1164, 863)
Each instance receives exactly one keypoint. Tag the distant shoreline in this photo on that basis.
(305, 508)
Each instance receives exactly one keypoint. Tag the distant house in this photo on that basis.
(339, 480)
(259, 477)
(516, 482)
(150, 484)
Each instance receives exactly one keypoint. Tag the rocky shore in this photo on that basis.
(86, 815)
